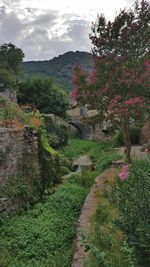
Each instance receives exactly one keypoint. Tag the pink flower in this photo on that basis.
(124, 173)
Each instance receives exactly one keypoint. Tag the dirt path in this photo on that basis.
(135, 151)
(87, 211)
(90, 204)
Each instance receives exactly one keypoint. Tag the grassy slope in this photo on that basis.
(44, 236)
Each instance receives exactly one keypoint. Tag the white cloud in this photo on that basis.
(44, 29)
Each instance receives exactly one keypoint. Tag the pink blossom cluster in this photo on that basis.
(123, 175)
(74, 94)
(147, 65)
(92, 77)
(116, 99)
(134, 100)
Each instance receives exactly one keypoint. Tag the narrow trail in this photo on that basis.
(135, 151)
(86, 213)
(84, 222)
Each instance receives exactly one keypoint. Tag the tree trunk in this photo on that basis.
(127, 141)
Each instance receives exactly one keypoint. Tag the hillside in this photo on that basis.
(59, 68)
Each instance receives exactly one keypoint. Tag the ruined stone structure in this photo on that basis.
(77, 118)
(9, 95)
(145, 133)
(18, 159)
(16, 146)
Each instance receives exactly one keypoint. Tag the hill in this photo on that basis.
(59, 68)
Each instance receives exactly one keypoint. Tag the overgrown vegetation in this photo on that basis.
(132, 198)
(10, 59)
(43, 94)
(57, 131)
(101, 153)
(135, 133)
(34, 173)
(44, 236)
(107, 244)
(120, 224)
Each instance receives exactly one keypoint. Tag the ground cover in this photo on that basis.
(101, 153)
(120, 223)
(44, 235)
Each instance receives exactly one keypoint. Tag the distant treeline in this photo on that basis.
(59, 68)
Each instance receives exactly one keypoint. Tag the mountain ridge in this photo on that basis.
(60, 68)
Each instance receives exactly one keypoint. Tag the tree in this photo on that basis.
(11, 57)
(7, 80)
(45, 95)
(127, 36)
(119, 86)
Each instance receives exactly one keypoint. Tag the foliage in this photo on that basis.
(7, 80)
(57, 131)
(134, 137)
(127, 35)
(59, 68)
(132, 198)
(53, 140)
(2, 157)
(10, 57)
(65, 164)
(20, 190)
(118, 87)
(44, 236)
(49, 161)
(12, 115)
(31, 178)
(101, 153)
(43, 94)
(107, 244)
(23, 186)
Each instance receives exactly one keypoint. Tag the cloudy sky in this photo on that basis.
(47, 28)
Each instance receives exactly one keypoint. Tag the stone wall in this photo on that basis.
(145, 133)
(9, 95)
(18, 159)
(16, 146)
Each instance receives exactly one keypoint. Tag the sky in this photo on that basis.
(44, 29)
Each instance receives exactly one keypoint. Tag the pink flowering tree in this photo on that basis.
(119, 93)
(119, 85)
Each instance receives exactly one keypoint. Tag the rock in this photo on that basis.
(84, 162)
(118, 163)
(145, 133)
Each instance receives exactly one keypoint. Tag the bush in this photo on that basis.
(57, 132)
(7, 80)
(107, 244)
(132, 198)
(134, 135)
(45, 95)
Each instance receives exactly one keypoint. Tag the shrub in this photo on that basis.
(132, 198)
(134, 137)
(106, 243)
(57, 132)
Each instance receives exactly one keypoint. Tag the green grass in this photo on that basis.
(101, 153)
(77, 147)
(44, 236)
